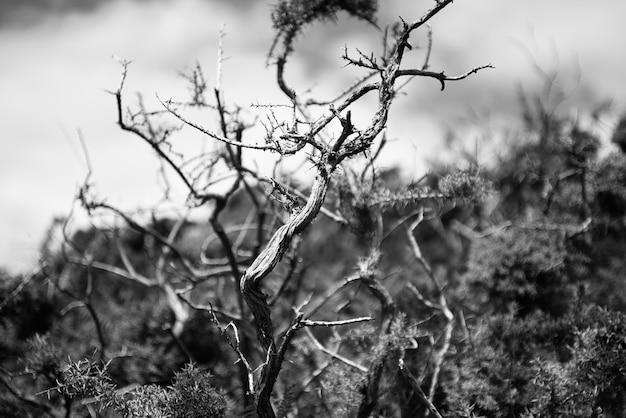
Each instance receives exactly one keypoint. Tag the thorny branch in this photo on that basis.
(334, 354)
(327, 151)
(441, 76)
(441, 305)
(415, 384)
(346, 146)
(154, 140)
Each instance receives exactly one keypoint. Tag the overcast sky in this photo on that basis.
(55, 65)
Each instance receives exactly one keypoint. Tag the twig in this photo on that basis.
(421, 297)
(23, 282)
(169, 108)
(220, 57)
(441, 75)
(334, 355)
(442, 306)
(327, 324)
(152, 141)
(417, 388)
(344, 93)
(331, 292)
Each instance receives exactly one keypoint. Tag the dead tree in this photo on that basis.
(281, 212)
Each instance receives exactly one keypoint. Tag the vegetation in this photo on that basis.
(487, 291)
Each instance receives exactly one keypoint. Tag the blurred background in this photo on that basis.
(56, 68)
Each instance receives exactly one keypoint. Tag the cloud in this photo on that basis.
(30, 12)
(55, 74)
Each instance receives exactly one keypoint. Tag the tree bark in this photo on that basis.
(250, 285)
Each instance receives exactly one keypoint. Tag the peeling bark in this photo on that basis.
(264, 264)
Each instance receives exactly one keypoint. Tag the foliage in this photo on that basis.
(292, 15)
(542, 366)
(609, 178)
(289, 17)
(467, 185)
(521, 271)
(190, 395)
(194, 396)
(619, 135)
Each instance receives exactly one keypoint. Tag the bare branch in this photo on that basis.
(327, 324)
(116, 271)
(437, 354)
(220, 57)
(429, 48)
(168, 106)
(334, 355)
(344, 93)
(421, 297)
(151, 140)
(23, 283)
(417, 388)
(441, 75)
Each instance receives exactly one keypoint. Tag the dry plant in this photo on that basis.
(229, 279)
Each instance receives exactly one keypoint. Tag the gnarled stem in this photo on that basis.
(250, 285)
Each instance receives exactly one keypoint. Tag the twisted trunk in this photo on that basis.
(250, 285)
